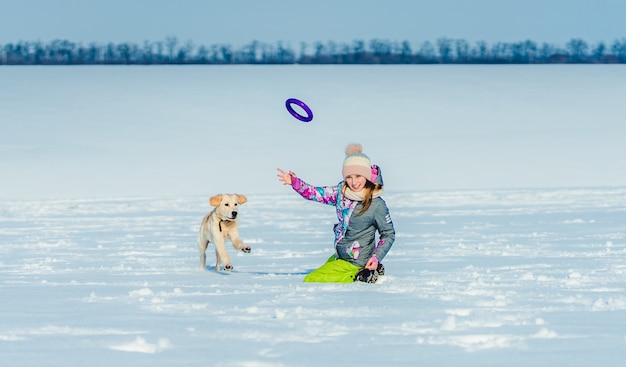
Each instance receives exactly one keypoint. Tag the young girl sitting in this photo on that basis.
(361, 213)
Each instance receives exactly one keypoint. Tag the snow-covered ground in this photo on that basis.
(506, 186)
(111, 131)
(476, 278)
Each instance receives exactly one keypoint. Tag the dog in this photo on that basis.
(220, 225)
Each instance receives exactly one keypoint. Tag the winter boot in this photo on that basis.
(380, 269)
(367, 276)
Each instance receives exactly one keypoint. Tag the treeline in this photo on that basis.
(376, 51)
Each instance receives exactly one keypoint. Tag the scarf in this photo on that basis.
(359, 196)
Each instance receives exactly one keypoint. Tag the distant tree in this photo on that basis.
(226, 54)
(500, 52)
(214, 54)
(202, 56)
(109, 54)
(159, 58)
(619, 49)
(94, 53)
(481, 52)
(462, 50)
(185, 53)
(598, 52)
(303, 49)
(147, 53)
(445, 49)
(381, 49)
(171, 43)
(358, 50)
(39, 54)
(60, 52)
(545, 51)
(427, 52)
(332, 52)
(285, 54)
(577, 50)
(517, 52)
(123, 50)
(250, 52)
(406, 52)
(376, 51)
(530, 51)
(320, 53)
(267, 53)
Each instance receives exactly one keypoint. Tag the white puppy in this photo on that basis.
(220, 225)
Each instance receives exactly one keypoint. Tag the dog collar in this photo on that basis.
(220, 223)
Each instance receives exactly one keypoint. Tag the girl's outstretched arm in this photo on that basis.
(321, 194)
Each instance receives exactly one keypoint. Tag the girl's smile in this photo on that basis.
(356, 183)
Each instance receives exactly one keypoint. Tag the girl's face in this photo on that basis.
(356, 183)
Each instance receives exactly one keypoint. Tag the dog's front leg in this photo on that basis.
(238, 243)
(221, 255)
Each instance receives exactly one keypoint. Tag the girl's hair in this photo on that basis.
(368, 189)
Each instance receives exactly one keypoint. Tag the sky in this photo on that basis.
(238, 22)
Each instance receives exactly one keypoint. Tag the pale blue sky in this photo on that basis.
(237, 22)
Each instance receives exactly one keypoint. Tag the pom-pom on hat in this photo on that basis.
(356, 163)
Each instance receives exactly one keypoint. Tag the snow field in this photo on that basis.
(475, 277)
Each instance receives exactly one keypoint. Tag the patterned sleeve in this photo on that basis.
(321, 194)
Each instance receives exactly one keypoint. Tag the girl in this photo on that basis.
(361, 213)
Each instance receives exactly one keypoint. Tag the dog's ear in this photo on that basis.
(241, 199)
(215, 200)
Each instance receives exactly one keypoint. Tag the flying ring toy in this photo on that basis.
(309, 113)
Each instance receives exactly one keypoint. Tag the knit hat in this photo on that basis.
(356, 163)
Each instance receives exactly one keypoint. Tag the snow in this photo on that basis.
(168, 130)
(107, 172)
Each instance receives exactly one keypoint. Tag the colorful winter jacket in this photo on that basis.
(354, 233)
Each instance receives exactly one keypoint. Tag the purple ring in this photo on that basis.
(295, 114)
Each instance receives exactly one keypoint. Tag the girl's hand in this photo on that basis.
(285, 177)
(372, 263)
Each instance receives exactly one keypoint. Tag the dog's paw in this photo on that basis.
(246, 249)
(228, 267)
